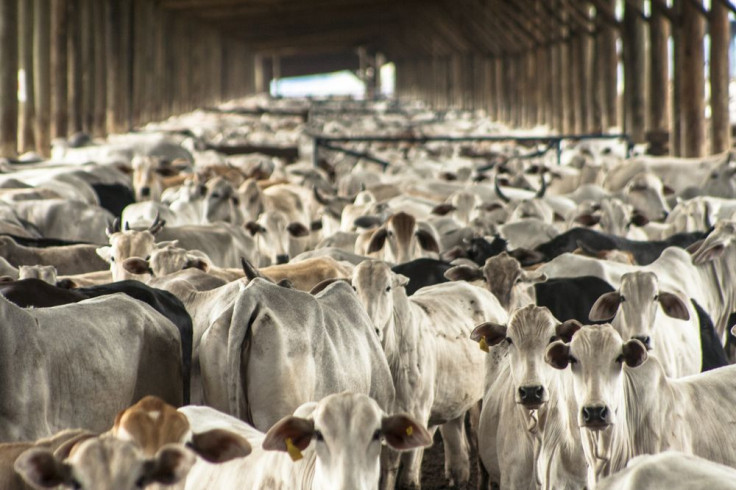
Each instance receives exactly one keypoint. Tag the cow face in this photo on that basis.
(147, 178)
(512, 285)
(400, 240)
(276, 238)
(129, 244)
(251, 199)
(596, 356)
(529, 331)
(636, 304)
(346, 432)
(376, 285)
(221, 203)
(646, 193)
(105, 464)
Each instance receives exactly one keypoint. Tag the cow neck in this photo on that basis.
(400, 344)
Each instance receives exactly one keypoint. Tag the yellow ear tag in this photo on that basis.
(409, 431)
(483, 344)
(294, 453)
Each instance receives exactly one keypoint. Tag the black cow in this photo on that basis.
(422, 272)
(114, 197)
(39, 294)
(644, 252)
(714, 355)
(571, 298)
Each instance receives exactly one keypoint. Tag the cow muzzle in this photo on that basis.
(596, 417)
(531, 397)
(282, 259)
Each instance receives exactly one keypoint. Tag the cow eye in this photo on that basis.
(620, 358)
(573, 360)
(656, 297)
(318, 435)
(553, 338)
(623, 298)
(377, 435)
(76, 485)
(215, 195)
(388, 289)
(509, 341)
(112, 259)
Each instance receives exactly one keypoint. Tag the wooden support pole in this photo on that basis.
(559, 87)
(26, 136)
(634, 72)
(580, 83)
(88, 65)
(692, 87)
(59, 81)
(719, 77)
(114, 60)
(676, 138)
(8, 77)
(42, 76)
(658, 80)
(569, 93)
(74, 65)
(608, 63)
(99, 33)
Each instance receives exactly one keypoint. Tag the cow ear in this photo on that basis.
(463, 273)
(297, 230)
(527, 257)
(673, 306)
(197, 263)
(605, 307)
(587, 219)
(136, 265)
(378, 240)
(567, 329)
(427, 241)
(41, 469)
(667, 190)
(400, 281)
(253, 227)
(219, 446)
(443, 209)
(488, 333)
(170, 465)
(557, 355)
(403, 433)
(105, 253)
(708, 252)
(367, 222)
(634, 353)
(290, 434)
(315, 225)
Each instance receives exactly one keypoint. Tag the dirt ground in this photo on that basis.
(433, 467)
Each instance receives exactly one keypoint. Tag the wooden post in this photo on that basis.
(692, 88)
(634, 72)
(86, 23)
(580, 86)
(550, 88)
(568, 87)
(26, 137)
(677, 57)
(8, 77)
(59, 83)
(114, 59)
(658, 81)
(559, 87)
(99, 29)
(41, 79)
(608, 71)
(74, 57)
(719, 77)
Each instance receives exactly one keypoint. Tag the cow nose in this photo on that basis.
(145, 191)
(644, 339)
(595, 416)
(282, 259)
(532, 396)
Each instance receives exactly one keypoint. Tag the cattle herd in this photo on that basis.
(180, 313)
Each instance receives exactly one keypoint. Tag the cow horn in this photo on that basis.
(157, 224)
(113, 228)
(543, 189)
(250, 271)
(500, 194)
(319, 197)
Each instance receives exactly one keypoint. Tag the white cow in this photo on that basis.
(527, 437)
(331, 444)
(626, 406)
(424, 338)
(400, 239)
(670, 470)
(636, 313)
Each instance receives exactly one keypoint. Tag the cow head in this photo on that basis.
(127, 244)
(168, 259)
(402, 239)
(346, 432)
(504, 277)
(105, 463)
(221, 203)
(721, 181)
(376, 285)
(715, 245)
(275, 235)
(635, 306)
(148, 174)
(596, 356)
(529, 331)
(645, 192)
(251, 199)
